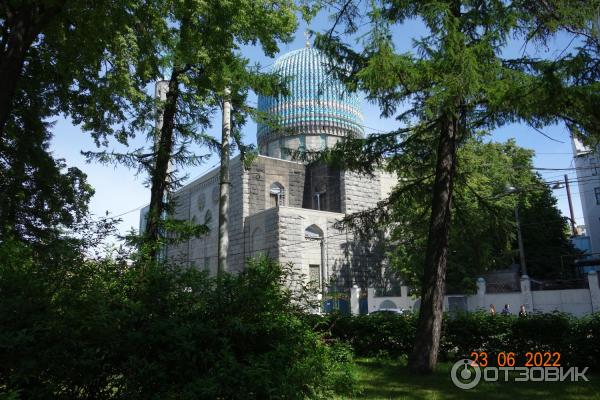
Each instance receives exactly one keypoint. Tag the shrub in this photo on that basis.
(583, 341)
(479, 331)
(375, 334)
(550, 332)
(390, 334)
(105, 330)
(244, 338)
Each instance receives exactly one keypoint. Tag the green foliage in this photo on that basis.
(39, 195)
(459, 78)
(392, 335)
(478, 331)
(61, 57)
(199, 50)
(545, 237)
(76, 58)
(370, 335)
(108, 329)
(483, 231)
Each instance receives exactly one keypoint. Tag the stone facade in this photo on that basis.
(359, 192)
(280, 225)
(286, 209)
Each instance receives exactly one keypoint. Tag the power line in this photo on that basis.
(548, 180)
(579, 180)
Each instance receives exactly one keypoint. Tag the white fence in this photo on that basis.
(578, 302)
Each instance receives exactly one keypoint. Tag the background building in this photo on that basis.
(287, 209)
(587, 164)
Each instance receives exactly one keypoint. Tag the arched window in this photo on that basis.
(313, 232)
(277, 195)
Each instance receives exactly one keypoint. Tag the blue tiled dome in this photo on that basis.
(317, 104)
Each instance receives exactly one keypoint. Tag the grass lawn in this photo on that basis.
(390, 379)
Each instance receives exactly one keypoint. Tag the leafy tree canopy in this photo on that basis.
(460, 79)
(95, 62)
(483, 232)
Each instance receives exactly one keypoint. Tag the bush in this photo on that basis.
(584, 339)
(393, 335)
(372, 335)
(105, 330)
(478, 331)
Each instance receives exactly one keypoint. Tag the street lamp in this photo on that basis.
(511, 190)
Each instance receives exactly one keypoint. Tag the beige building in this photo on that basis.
(286, 209)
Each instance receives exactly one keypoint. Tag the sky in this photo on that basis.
(119, 192)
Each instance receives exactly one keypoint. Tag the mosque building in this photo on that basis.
(288, 209)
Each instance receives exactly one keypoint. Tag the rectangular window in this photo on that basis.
(302, 146)
(597, 193)
(317, 201)
(277, 196)
(282, 149)
(314, 273)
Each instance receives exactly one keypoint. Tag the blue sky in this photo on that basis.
(120, 192)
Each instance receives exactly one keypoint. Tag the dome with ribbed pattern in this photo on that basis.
(317, 103)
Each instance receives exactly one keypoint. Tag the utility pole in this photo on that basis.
(520, 239)
(573, 231)
(224, 185)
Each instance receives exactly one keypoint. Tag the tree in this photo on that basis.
(200, 49)
(548, 251)
(22, 22)
(457, 82)
(482, 234)
(223, 243)
(80, 53)
(63, 57)
(199, 54)
(39, 195)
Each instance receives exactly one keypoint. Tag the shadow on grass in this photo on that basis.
(390, 379)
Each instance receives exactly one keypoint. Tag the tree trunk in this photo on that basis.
(23, 26)
(160, 174)
(425, 351)
(224, 186)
